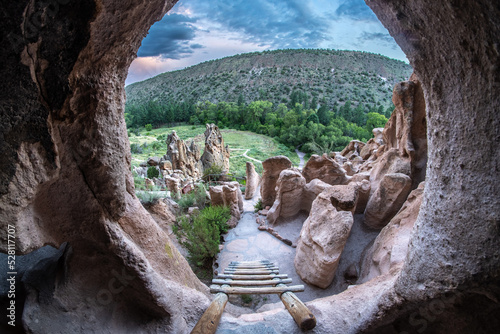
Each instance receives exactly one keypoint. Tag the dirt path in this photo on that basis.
(244, 154)
(301, 157)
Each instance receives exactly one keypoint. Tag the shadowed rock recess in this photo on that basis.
(66, 180)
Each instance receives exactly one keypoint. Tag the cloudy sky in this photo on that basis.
(198, 30)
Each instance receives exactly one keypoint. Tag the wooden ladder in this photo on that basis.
(253, 277)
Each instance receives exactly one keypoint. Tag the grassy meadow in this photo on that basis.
(146, 144)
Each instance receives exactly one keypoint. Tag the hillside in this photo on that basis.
(335, 76)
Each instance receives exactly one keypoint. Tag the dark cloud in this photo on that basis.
(281, 24)
(196, 46)
(383, 37)
(356, 10)
(169, 38)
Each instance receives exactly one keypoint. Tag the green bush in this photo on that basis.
(148, 127)
(135, 149)
(201, 238)
(258, 205)
(153, 172)
(197, 197)
(213, 173)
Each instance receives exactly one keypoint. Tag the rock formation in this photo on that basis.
(391, 245)
(288, 201)
(322, 239)
(387, 199)
(228, 194)
(325, 169)
(182, 157)
(272, 169)
(215, 152)
(253, 180)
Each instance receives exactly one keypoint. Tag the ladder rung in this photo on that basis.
(251, 277)
(250, 272)
(259, 290)
(250, 282)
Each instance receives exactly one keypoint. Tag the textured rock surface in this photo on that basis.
(322, 239)
(272, 169)
(387, 199)
(288, 201)
(65, 171)
(182, 157)
(253, 180)
(215, 152)
(228, 194)
(391, 246)
(324, 168)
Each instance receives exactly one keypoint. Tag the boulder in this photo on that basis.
(387, 199)
(289, 187)
(391, 245)
(165, 165)
(326, 169)
(353, 148)
(253, 180)
(322, 240)
(173, 184)
(272, 169)
(343, 197)
(153, 161)
(215, 152)
(162, 212)
(149, 183)
(182, 157)
(228, 194)
(311, 191)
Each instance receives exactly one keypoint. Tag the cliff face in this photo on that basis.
(65, 175)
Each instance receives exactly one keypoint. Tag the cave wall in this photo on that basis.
(65, 175)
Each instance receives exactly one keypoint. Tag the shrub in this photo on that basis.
(197, 197)
(148, 127)
(201, 238)
(135, 149)
(153, 172)
(149, 197)
(258, 205)
(213, 173)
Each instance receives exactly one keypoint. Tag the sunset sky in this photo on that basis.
(198, 30)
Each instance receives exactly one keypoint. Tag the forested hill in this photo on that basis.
(283, 76)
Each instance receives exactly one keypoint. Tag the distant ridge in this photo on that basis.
(335, 76)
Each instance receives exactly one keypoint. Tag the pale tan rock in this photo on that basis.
(343, 197)
(289, 187)
(165, 165)
(322, 240)
(272, 169)
(311, 191)
(216, 195)
(391, 246)
(173, 184)
(387, 199)
(253, 180)
(183, 158)
(354, 147)
(228, 194)
(324, 168)
(149, 183)
(215, 152)
(162, 213)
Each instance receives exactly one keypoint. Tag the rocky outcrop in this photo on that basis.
(391, 245)
(387, 199)
(322, 239)
(182, 157)
(228, 194)
(325, 169)
(272, 169)
(215, 152)
(288, 201)
(253, 180)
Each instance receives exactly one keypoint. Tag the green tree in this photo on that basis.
(148, 127)
(375, 120)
